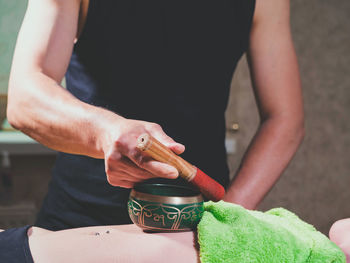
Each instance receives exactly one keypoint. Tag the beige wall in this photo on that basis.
(316, 185)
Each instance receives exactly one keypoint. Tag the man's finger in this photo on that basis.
(129, 167)
(143, 167)
(160, 169)
(178, 148)
(126, 184)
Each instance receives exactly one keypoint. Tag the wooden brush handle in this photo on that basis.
(208, 186)
(161, 153)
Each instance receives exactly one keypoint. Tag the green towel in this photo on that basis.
(229, 233)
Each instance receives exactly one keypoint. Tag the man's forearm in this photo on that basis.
(39, 107)
(268, 155)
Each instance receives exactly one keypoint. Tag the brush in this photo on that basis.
(211, 189)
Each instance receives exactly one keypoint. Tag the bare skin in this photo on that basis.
(127, 243)
(340, 234)
(277, 87)
(124, 244)
(41, 108)
(44, 110)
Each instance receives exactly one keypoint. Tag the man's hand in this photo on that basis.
(41, 108)
(125, 165)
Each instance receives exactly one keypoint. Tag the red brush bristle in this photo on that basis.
(210, 188)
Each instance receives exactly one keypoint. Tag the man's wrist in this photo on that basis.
(106, 126)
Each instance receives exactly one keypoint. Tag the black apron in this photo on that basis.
(164, 61)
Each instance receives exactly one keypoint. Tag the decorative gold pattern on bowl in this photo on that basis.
(165, 213)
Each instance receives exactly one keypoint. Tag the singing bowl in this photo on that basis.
(158, 207)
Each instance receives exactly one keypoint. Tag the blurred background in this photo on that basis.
(315, 185)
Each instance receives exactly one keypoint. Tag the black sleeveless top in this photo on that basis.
(163, 61)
